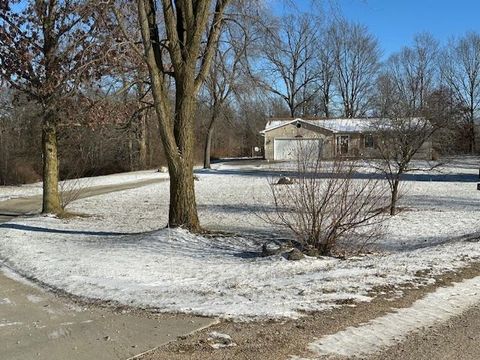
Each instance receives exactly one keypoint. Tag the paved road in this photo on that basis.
(35, 324)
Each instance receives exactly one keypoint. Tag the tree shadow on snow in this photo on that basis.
(430, 242)
(137, 240)
(240, 208)
(60, 231)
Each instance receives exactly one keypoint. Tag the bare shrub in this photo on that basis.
(72, 188)
(328, 204)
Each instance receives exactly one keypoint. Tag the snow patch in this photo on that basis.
(5, 301)
(57, 334)
(385, 331)
(34, 298)
(4, 323)
(218, 340)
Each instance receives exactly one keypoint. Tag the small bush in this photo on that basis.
(72, 187)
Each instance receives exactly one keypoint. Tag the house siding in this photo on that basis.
(356, 141)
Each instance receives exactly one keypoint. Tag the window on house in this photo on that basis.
(369, 143)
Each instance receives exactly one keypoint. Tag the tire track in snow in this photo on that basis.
(377, 334)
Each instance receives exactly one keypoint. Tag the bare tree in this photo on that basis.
(461, 73)
(414, 72)
(47, 48)
(326, 73)
(20, 143)
(130, 71)
(137, 97)
(288, 56)
(140, 130)
(407, 120)
(356, 54)
(446, 113)
(398, 140)
(385, 95)
(224, 79)
(180, 56)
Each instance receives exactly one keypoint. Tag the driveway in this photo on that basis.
(37, 324)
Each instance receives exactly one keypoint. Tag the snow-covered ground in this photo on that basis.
(10, 192)
(118, 254)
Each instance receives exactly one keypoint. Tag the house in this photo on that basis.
(334, 137)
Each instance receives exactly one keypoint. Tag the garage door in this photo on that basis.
(287, 149)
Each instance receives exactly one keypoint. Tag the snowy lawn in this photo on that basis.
(10, 192)
(118, 254)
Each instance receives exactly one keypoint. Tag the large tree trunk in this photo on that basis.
(185, 29)
(183, 208)
(326, 105)
(51, 196)
(183, 205)
(291, 107)
(349, 113)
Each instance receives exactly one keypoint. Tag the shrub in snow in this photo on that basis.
(71, 190)
(328, 204)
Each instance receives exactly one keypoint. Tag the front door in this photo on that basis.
(342, 144)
